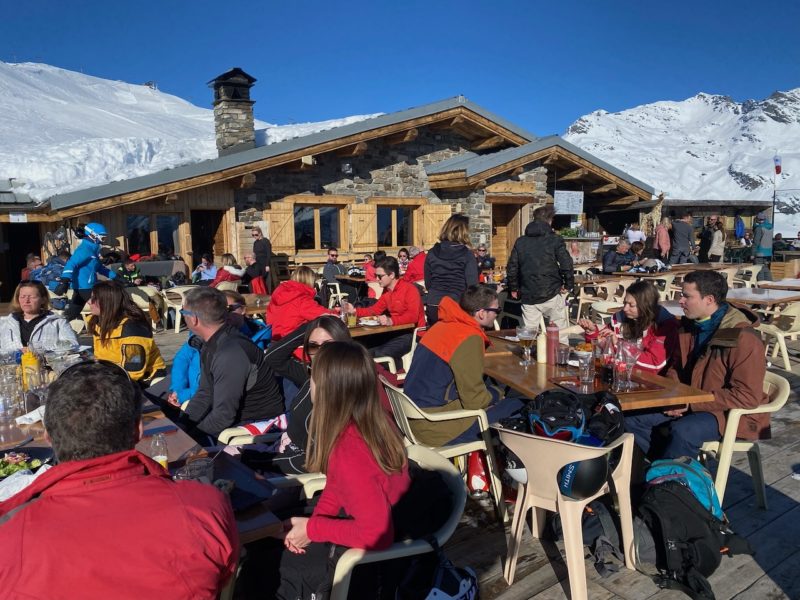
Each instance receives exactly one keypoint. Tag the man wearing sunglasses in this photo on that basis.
(107, 521)
(333, 268)
(236, 383)
(447, 369)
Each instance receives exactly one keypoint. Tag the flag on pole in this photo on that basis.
(777, 161)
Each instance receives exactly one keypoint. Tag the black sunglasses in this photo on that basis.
(494, 310)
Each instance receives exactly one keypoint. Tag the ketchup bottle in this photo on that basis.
(552, 343)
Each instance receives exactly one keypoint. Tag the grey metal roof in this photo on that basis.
(479, 163)
(11, 195)
(707, 203)
(236, 159)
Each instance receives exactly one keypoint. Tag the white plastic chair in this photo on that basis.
(748, 277)
(664, 286)
(405, 410)
(389, 363)
(543, 458)
(786, 324)
(427, 459)
(173, 298)
(777, 388)
(142, 297)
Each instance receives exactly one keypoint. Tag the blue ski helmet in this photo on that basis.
(96, 232)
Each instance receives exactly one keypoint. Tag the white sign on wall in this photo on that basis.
(568, 203)
(17, 218)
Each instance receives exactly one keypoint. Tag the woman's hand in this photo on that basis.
(588, 325)
(297, 537)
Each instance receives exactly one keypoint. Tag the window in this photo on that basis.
(137, 231)
(395, 226)
(167, 228)
(316, 227)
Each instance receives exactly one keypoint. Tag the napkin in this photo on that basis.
(32, 417)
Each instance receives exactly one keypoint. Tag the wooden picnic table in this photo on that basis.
(762, 296)
(365, 330)
(256, 304)
(794, 253)
(352, 278)
(533, 380)
(781, 284)
(584, 280)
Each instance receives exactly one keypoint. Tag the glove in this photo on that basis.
(62, 287)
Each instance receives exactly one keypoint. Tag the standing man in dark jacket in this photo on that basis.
(236, 385)
(540, 272)
(682, 240)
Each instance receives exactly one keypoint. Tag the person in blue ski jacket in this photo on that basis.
(80, 272)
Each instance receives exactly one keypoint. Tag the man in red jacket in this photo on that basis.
(401, 300)
(107, 521)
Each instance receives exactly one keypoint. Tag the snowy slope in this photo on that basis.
(62, 131)
(705, 148)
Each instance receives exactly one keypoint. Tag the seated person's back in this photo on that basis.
(107, 521)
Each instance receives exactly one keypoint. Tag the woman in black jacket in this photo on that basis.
(450, 267)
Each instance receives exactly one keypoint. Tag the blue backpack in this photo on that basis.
(690, 473)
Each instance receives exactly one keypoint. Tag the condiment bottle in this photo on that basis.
(552, 343)
(29, 364)
(541, 347)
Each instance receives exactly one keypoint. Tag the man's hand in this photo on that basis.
(348, 308)
(384, 320)
(173, 399)
(515, 295)
(297, 536)
(676, 412)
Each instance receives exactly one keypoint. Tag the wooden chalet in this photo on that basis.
(384, 182)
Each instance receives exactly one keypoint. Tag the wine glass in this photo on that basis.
(631, 350)
(526, 335)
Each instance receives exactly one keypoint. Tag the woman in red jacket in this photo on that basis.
(292, 303)
(353, 442)
(230, 271)
(641, 318)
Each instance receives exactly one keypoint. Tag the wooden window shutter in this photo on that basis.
(433, 218)
(280, 222)
(363, 227)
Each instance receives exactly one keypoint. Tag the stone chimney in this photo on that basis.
(233, 111)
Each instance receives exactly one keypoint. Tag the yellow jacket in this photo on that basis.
(132, 347)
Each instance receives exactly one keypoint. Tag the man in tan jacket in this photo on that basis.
(718, 351)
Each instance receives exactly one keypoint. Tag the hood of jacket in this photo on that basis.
(451, 312)
(291, 291)
(765, 224)
(234, 270)
(537, 229)
(448, 250)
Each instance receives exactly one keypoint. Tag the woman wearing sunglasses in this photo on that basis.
(122, 333)
(353, 442)
(31, 323)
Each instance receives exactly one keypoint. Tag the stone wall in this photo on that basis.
(384, 170)
(234, 126)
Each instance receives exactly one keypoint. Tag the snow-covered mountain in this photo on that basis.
(705, 148)
(62, 131)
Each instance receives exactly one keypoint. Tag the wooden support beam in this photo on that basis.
(604, 189)
(480, 185)
(517, 172)
(401, 138)
(248, 181)
(551, 160)
(572, 175)
(448, 123)
(303, 164)
(171, 198)
(488, 142)
(353, 150)
(624, 200)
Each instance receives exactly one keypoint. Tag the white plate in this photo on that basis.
(511, 338)
(369, 322)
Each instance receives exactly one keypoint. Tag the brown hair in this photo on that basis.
(17, 309)
(115, 305)
(455, 229)
(646, 296)
(345, 391)
(544, 214)
(331, 324)
(304, 275)
(476, 297)
(235, 296)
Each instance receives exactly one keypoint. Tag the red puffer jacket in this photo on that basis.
(292, 304)
(116, 527)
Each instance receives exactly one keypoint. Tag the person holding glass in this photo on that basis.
(641, 318)
(32, 324)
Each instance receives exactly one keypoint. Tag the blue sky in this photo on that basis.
(540, 65)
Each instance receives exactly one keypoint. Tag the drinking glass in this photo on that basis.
(630, 354)
(526, 335)
(586, 367)
(562, 354)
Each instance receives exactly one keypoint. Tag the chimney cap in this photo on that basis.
(234, 76)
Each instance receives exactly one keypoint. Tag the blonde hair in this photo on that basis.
(39, 287)
(455, 229)
(304, 275)
(228, 260)
(666, 221)
(345, 391)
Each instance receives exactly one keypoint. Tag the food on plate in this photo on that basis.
(17, 461)
(583, 347)
(371, 322)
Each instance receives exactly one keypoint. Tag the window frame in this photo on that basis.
(416, 204)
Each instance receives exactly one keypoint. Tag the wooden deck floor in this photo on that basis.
(480, 542)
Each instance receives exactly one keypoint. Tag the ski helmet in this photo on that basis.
(96, 232)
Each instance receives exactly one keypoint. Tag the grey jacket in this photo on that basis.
(46, 334)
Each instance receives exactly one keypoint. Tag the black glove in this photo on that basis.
(62, 287)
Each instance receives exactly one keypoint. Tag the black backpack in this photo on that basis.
(689, 541)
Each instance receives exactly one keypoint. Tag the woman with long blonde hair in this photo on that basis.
(353, 442)
(294, 303)
(450, 267)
